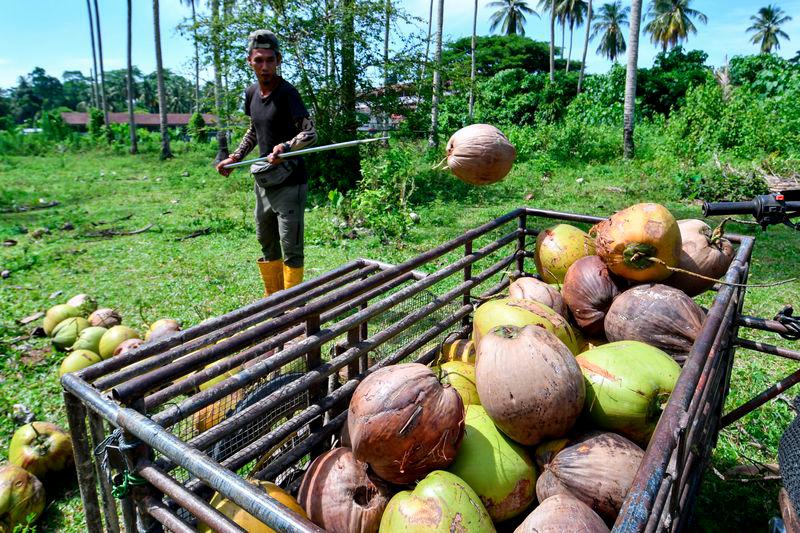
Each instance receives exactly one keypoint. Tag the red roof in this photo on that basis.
(142, 119)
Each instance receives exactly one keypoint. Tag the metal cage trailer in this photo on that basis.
(261, 391)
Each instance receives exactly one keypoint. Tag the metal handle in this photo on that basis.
(324, 148)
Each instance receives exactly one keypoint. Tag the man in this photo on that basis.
(279, 123)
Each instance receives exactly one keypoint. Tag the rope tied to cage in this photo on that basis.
(790, 322)
(122, 482)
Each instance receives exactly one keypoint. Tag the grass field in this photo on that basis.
(152, 275)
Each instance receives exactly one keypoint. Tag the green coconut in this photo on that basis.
(460, 376)
(89, 339)
(113, 338)
(78, 360)
(57, 314)
(557, 248)
(497, 468)
(21, 496)
(441, 502)
(66, 332)
(520, 312)
(628, 384)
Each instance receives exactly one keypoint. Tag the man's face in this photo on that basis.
(265, 64)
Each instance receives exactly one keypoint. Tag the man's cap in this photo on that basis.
(262, 39)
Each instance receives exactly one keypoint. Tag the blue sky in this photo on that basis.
(54, 33)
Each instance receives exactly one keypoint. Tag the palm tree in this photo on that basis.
(95, 96)
(630, 80)
(471, 111)
(585, 44)
(196, 56)
(222, 134)
(166, 153)
(386, 28)
(574, 11)
(511, 15)
(433, 139)
(767, 25)
(102, 69)
(549, 6)
(671, 22)
(611, 19)
(131, 119)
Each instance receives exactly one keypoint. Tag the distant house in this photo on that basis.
(143, 120)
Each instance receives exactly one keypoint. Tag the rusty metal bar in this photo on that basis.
(762, 323)
(109, 506)
(304, 447)
(231, 338)
(210, 326)
(466, 298)
(768, 349)
(759, 400)
(416, 274)
(639, 503)
(76, 416)
(244, 494)
(174, 413)
(335, 298)
(573, 217)
(239, 380)
(201, 376)
(186, 499)
(164, 516)
(315, 410)
(523, 224)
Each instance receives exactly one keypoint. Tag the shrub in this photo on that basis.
(197, 128)
(717, 183)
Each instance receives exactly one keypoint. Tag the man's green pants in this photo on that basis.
(279, 222)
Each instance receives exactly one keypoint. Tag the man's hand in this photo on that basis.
(228, 161)
(275, 156)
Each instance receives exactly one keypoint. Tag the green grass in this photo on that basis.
(153, 275)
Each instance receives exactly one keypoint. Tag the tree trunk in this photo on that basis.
(131, 118)
(433, 139)
(552, 39)
(95, 95)
(196, 61)
(630, 80)
(569, 55)
(222, 133)
(351, 161)
(386, 65)
(166, 153)
(427, 48)
(102, 69)
(563, 34)
(472, 66)
(585, 45)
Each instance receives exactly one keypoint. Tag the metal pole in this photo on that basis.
(315, 149)
(109, 506)
(76, 416)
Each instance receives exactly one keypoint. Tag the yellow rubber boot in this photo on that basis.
(292, 276)
(271, 275)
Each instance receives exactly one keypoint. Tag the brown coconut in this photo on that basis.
(539, 291)
(404, 423)
(529, 383)
(588, 290)
(597, 469)
(127, 345)
(703, 251)
(105, 317)
(480, 154)
(658, 315)
(340, 495)
(561, 513)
